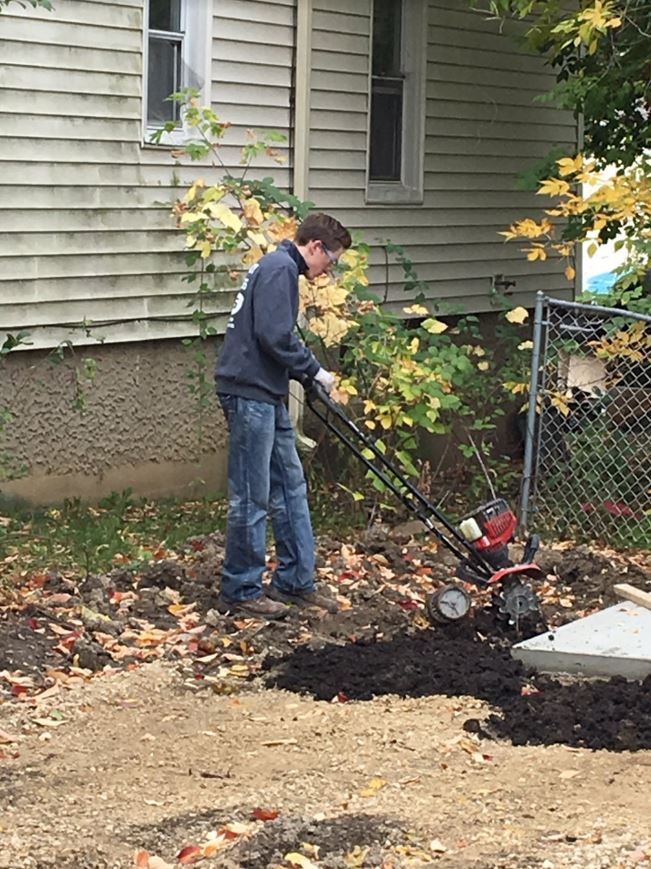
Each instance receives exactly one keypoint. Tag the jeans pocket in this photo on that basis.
(228, 404)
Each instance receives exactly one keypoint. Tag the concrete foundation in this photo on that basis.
(136, 424)
(613, 642)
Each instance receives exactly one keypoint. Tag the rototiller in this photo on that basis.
(480, 542)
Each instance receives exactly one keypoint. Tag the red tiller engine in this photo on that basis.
(490, 529)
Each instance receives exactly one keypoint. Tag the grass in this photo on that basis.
(120, 530)
(127, 532)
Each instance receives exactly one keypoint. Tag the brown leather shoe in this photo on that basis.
(304, 598)
(260, 607)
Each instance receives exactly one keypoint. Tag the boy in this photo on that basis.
(260, 355)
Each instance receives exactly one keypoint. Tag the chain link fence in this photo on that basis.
(587, 472)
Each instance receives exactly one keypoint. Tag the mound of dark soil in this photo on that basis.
(613, 714)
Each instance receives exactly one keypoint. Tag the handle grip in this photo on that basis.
(316, 391)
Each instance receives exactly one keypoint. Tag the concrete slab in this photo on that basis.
(613, 642)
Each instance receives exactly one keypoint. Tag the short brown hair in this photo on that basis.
(322, 227)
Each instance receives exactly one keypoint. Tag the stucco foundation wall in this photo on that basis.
(135, 424)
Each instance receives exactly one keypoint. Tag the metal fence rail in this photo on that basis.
(587, 468)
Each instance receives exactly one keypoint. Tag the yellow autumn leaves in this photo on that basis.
(211, 224)
(589, 25)
(328, 304)
(632, 343)
(619, 198)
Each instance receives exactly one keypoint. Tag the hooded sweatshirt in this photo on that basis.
(261, 352)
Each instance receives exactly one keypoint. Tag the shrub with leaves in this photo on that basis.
(398, 374)
(594, 207)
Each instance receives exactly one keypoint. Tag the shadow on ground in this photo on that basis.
(530, 710)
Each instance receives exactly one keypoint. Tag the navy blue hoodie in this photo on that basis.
(261, 352)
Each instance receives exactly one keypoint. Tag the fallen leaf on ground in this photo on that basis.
(180, 609)
(355, 858)
(234, 829)
(528, 690)
(375, 785)
(206, 659)
(189, 854)
(264, 814)
(239, 670)
(18, 680)
(300, 860)
(158, 863)
(414, 854)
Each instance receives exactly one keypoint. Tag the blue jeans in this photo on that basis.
(265, 476)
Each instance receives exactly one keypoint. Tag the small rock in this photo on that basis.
(213, 618)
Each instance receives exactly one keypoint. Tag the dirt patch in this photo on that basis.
(330, 840)
(57, 623)
(54, 621)
(439, 750)
(21, 648)
(139, 763)
(336, 838)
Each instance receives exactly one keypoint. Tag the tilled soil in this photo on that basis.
(167, 609)
(530, 709)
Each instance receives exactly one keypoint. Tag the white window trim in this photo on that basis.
(414, 54)
(196, 23)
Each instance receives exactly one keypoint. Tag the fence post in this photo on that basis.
(527, 473)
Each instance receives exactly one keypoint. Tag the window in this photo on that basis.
(397, 101)
(178, 34)
(387, 83)
(164, 72)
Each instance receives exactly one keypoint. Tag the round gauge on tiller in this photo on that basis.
(449, 604)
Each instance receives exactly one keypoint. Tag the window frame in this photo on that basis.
(413, 57)
(196, 65)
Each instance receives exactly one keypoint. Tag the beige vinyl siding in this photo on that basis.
(85, 228)
(482, 129)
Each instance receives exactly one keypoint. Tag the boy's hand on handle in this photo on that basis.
(326, 379)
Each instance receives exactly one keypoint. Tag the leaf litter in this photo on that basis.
(60, 631)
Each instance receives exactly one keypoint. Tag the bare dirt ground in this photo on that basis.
(139, 728)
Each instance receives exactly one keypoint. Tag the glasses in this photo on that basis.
(331, 257)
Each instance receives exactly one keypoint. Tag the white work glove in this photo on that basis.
(326, 379)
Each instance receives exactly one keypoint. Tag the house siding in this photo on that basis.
(84, 218)
(85, 228)
(86, 233)
(482, 129)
